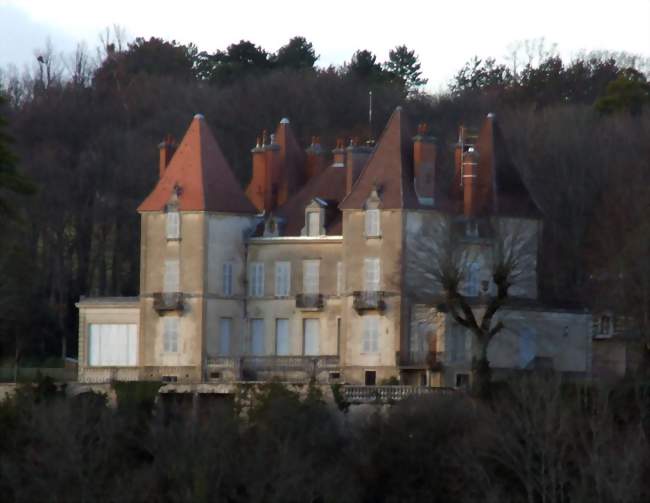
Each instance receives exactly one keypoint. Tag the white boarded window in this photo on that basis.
(170, 335)
(112, 344)
(257, 336)
(225, 335)
(173, 225)
(282, 279)
(172, 276)
(340, 279)
(313, 223)
(256, 279)
(226, 279)
(310, 276)
(282, 341)
(372, 223)
(371, 274)
(370, 341)
(311, 327)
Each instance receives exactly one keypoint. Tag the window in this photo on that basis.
(112, 344)
(225, 334)
(226, 279)
(256, 279)
(282, 342)
(313, 223)
(370, 377)
(257, 336)
(472, 280)
(459, 344)
(173, 225)
(371, 274)
(311, 327)
(282, 279)
(171, 280)
(340, 279)
(370, 341)
(605, 322)
(310, 276)
(170, 335)
(338, 336)
(372, 223)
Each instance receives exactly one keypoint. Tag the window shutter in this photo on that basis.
(370, 342)
(173, 225)
(225, 334)
(372, 223)
(170, 335)
(282, 342)
(313, 223)
(340, 280)
(312, 336)
(310, 276)
(257, 336)
(372, 274)
(282, 279)
(256, 279)
(227, 279)
(171, 280)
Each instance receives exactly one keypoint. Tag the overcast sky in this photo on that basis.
(444, 34)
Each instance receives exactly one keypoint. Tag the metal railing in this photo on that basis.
(312, 301)
(368, 301)
(386, 394)
(433, 360)
(102, 375)
(167, 301)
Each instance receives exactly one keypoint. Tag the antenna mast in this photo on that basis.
(370, 113)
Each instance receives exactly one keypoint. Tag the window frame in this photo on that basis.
(368, 287)
(282, 278)
(313, 287)
(370, 335)
(173, 225)
(372, 223)
(256, 279)
(227, 279)
(171, 285)
(171, 334)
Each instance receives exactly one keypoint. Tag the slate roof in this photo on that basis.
(200, 170)
(390, 169)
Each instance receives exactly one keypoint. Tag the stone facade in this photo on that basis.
(328, 280)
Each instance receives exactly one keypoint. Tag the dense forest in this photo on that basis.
(536, 441)
(79, 136)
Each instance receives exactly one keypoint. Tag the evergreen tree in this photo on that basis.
(298, 54)
(403, 64)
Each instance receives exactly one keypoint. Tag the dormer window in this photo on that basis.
(373, 228)
(173, 224)
(313, 223)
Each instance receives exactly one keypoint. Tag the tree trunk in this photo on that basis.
(481, 372)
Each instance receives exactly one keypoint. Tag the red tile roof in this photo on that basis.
(203, 175)
(390, 169)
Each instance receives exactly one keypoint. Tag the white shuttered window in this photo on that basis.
(282, 279)
(372, 223)
(282, 342)
(257, 336)
(371, 274)
(172, 276)
(313, 223)
(312, 336)
(256, 279)
(370, 341)
(340, 279)
(170, 335)
(112, 344)
(226, 279)
(225, 334)
(310, 276)
(173, 225)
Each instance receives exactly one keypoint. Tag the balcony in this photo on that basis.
(310, 301)
(369, 301)
(432, 360)
(261, 368)
(388, 394)
(167, 301)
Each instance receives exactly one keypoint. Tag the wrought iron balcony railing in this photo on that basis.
(369, 301)
(167, 301)
(310, 301)
(432, 360)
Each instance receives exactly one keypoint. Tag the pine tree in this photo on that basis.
(403, 64)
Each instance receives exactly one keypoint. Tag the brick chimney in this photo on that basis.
(166, 149)
(315, 159)
(471, 194)
(262, 189)
(424, 163)
(339, 153)
(356, 157)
